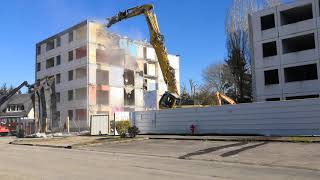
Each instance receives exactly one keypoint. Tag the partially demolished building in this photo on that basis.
(98, 72)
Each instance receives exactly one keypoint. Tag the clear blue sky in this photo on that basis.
(193, 29)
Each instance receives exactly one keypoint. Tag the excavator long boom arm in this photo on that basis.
(169, 99)
(218, 97)
(13, 92)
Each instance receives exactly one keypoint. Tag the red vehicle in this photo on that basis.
(4, 130)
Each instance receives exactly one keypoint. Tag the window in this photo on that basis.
(301, 73)
(58, 97)
(70, 55)
(58, 58)
(81, 114)
(273, 99)
(50, 45)
(71, 36)
(269, 49)
(80, 94)
(303, 97)
(102, 77)
(298, 43)
(101, 56)
(271, 77)
(58, 115)
(58, 41)
(129, 95)
(50, 63)
(70, 95)
(102, 97)
(70, 115)
(81, 52)
(296, 14)
(58, 78)
(38, 67)
(81, 73)
(267, 22)
(145, 68)
(70, 75)
(128, 77)
(38, 50)
(145, 52)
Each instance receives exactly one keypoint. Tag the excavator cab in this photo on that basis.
(168, 100)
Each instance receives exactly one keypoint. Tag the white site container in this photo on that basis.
(99, 125)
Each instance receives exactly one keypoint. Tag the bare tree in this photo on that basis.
(238, 59)
(3, 89)
(216, 77)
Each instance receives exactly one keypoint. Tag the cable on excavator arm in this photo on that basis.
(171, 97)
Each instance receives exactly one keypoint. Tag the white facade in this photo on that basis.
(285, 51)
(100, 73)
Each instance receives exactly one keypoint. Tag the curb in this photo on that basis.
(41, 145)
(77, 145)
(237, 140)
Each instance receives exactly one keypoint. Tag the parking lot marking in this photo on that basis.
(212, 149)
(237, 151)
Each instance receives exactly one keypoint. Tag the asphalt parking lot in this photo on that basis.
(298, 155)
(162, 159)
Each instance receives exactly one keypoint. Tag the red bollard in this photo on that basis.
(193, 129)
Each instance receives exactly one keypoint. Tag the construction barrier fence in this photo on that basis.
(283, 118)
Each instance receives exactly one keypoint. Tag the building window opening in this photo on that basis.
(58, 60)
(38, 50)
(267, 22)
(58, 41)
(81, 73)
(70, 95)
(301, 73)
(38, 67)
(70, 36)
(297, 14)
(81, 52)
(269, 49)
(50, 45)
(128, 77)
(273, 99)
(102, 77)
(303, 97)
(58, 78)
(50, 63)
(299, 43)
(271, 77)
(129, 97)
(70, 55)
(58, 97)
(101, 56)
(102, 97)
(70, 75)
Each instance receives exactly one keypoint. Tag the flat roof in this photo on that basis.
(63, 32)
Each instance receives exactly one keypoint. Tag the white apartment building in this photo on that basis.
(98, 72)
(285, 51)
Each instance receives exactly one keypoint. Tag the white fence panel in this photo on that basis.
(298, 117)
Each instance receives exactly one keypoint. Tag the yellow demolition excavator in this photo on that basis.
(170, 98)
